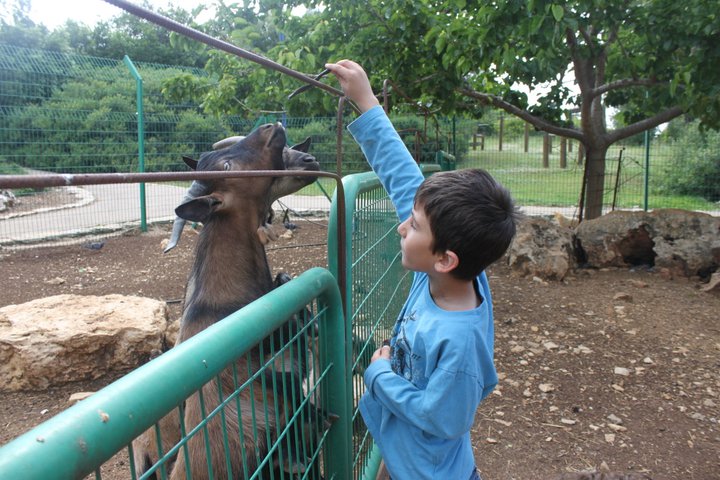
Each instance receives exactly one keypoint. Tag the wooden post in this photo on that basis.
(527, 136)
(563, 152)
(502, 127)
(546, 151)
(475, 139)
(581, 153)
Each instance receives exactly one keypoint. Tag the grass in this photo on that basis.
(531, 184)
(7, 168)
(322, 186)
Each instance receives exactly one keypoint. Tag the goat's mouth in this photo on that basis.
(308, 167)
(278, 135)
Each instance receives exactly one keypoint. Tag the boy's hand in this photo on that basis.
(382, 352)
(355, 83)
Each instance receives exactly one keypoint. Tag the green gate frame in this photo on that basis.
(79, 440)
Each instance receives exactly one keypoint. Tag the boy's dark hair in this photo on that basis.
(471, 214)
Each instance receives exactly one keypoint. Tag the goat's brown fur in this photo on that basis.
(230, 271)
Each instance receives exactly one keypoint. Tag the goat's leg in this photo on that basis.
(145, 448)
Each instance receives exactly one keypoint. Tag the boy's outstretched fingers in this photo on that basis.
(354, 82)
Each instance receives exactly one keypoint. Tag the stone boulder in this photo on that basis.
(67, 338)
(543, 249)
(685, 243)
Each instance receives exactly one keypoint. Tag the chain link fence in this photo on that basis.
(65, 113)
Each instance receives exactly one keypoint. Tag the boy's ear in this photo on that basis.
(447, 262)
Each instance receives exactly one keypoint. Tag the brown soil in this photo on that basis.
(616, 367)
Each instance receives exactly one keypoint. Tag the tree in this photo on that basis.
(658, 58)
(238, 86)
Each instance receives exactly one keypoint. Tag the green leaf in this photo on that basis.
(558, 12)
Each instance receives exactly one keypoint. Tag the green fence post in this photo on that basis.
(141, 138)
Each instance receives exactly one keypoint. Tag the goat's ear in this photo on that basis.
(304, 146)
(190, 162)
(198, 209)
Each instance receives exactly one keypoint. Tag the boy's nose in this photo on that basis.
(402, 228)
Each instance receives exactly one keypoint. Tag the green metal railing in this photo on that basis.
(77, 441)
(377, 286)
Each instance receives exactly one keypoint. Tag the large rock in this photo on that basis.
(686, 243)
(542, 249)
(66, 338)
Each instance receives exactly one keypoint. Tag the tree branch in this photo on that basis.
(520, 113)
(626, 82)
(646, 124)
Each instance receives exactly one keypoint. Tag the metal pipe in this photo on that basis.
(66, 180)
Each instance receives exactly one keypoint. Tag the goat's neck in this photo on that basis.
(230, 271)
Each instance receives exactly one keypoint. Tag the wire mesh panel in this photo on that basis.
(377, 287)
(253, 396)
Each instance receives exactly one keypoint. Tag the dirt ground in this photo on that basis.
(613, 368)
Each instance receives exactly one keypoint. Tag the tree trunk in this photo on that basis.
(595, 182)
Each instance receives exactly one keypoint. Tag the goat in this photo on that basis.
(294, 158)
(230, 270)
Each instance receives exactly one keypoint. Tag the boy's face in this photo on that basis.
(416, 241)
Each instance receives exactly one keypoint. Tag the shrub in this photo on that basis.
(695, 168)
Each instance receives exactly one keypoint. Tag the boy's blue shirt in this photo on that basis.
(419, 406)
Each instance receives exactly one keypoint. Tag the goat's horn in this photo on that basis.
(226, 142)
(196, 189)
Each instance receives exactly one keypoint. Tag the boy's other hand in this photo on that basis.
(382, 352)
(354, 83)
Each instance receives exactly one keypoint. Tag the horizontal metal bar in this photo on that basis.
(66, 180)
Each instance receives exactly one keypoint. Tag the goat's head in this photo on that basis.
(261, 150)
(293, 158)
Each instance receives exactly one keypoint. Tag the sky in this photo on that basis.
(53, 13)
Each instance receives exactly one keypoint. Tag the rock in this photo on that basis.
(546, 387)
(76, 397)
(626, 297)
(677, 242)
(615, 419)
(542, 249)
(67, 338)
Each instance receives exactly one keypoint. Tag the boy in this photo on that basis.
(422, 390)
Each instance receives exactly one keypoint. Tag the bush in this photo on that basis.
(695, 167)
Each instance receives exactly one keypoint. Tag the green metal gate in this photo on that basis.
(79, 440)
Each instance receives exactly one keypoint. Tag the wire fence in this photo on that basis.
(65, 113)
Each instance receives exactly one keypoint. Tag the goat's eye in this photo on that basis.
(226, 166)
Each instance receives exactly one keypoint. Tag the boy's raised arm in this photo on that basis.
(382, 146)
